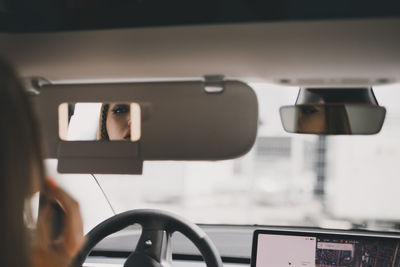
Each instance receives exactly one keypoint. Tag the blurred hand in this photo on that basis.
(59, 252)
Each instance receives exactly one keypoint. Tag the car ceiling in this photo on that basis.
(62, 15)
(319, 44)
(328, 52)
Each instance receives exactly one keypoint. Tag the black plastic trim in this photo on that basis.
(125, 254)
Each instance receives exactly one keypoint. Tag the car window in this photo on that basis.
(286, 179)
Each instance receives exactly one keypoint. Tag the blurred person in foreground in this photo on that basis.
(22, 174)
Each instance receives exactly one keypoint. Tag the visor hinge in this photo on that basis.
(214, 84)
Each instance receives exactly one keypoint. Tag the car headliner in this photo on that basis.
(66, 15)
(313, 53)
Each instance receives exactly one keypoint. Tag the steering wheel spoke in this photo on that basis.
(155, 244)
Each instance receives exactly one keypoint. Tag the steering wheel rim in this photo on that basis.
(154, 242)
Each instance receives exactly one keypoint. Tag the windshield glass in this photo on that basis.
(286, 179)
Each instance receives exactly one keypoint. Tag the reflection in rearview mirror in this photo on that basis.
(333, 119)
(100, 121)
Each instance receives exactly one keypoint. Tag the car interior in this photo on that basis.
(219, 133)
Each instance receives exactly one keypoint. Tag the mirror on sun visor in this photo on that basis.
(99, 121)
(334, 111)
(188, 120)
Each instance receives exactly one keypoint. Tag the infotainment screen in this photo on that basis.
(299, 249)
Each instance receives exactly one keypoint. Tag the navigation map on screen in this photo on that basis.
(274, 250)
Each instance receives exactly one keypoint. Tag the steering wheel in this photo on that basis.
(154, 246)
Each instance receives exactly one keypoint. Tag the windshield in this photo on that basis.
(337, 182)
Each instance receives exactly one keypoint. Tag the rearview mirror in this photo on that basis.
(332, 119)
(333, 112)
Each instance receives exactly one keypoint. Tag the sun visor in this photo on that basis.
(183, 120)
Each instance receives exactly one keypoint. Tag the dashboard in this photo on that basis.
(256, 246)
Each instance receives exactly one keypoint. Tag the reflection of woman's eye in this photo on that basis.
(120, 109)
(308, 110)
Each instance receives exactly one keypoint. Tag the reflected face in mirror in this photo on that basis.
(311, 119)
(115, 122)
(321, 119)
(119, 122)
(90, 121)
(326, 119)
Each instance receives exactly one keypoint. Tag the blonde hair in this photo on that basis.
(21, 166)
